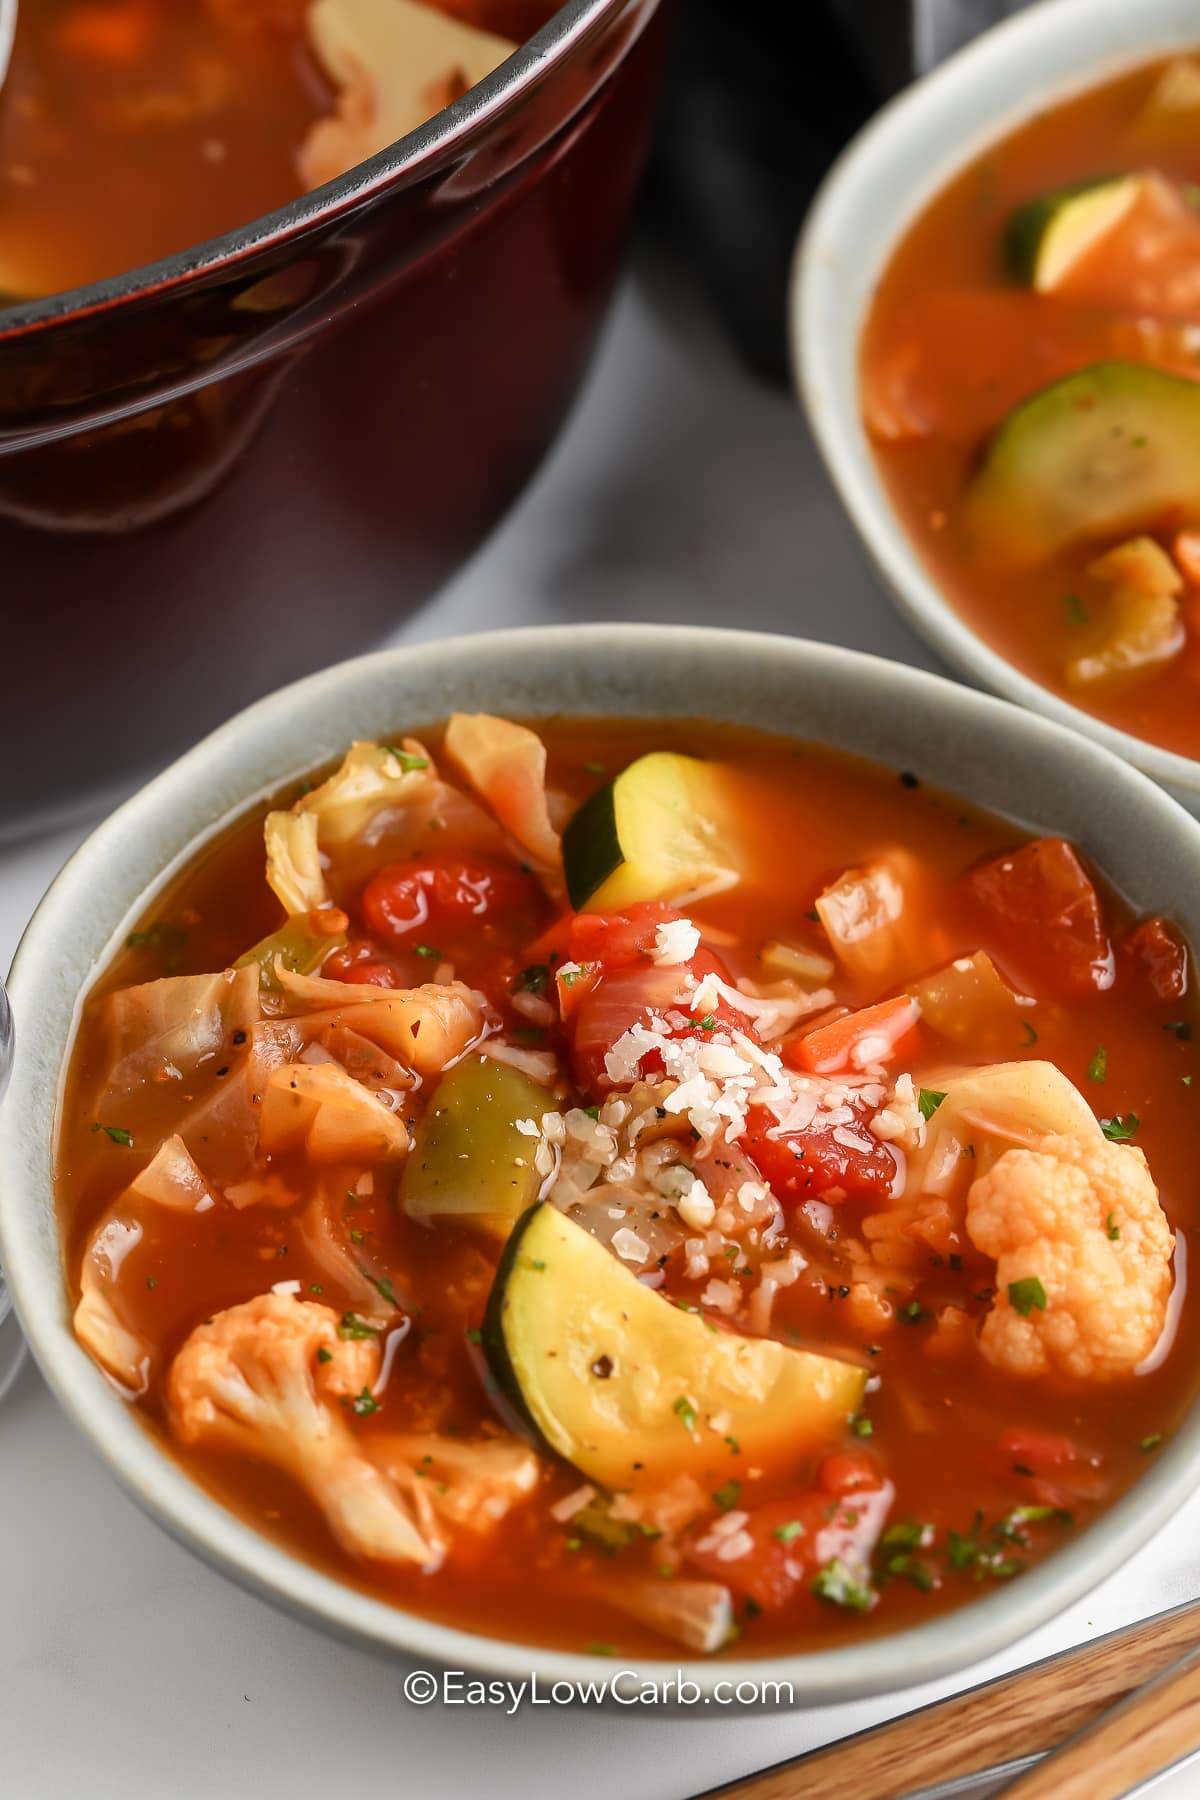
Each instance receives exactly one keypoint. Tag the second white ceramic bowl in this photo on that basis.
(875, 190)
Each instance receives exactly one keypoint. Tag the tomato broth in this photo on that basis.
(133, 129)
(1068, 246)
(947, 1471)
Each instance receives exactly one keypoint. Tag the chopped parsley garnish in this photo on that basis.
(861, 1426)
(385, 1288)
(1031, 1036)
(1152, 1442)
(408, 762)
(907, 1534)
(1182, 1029)
(474, 1335)
(365, 1404)
(1076, 611)
(928, 1101)
(118, 1134)
(1098, 1067)
(1025, 1294)
(429, 950)
(785, 1533)
(598, 1649)
(708, 1022)
(356, 1237)
(595, 768)
(533, 980)
(569, 977)
(912, 1568)
(1111, 1228)
(726, 1497)
(324, 1355)
(593, 1112)
(837, 1584)
(912, 1314)
(151, 1281)
(735, 1449)
(352, 1326)
(683, 1409)
(1120, 1128)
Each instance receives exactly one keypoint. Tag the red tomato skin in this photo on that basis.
(825, 1164)
(619, 940)
(775, 1569)
(440, 890)
(1152, 951)
(631, 995)
(360, 962)
(1041, 901)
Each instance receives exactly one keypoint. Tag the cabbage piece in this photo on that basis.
(395, 64)
(986, 1111)
(349, 1274)
(171, 1180)
(870, 917)
(424, 1028)
(696, 1614)
(175, 1024)
(319, 1109)
(1142, 624)
(374, 782)
(295, 872)
(506, 765)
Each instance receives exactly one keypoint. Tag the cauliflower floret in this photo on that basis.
(460, 1484)
(1082, 1218)
(250, 1381)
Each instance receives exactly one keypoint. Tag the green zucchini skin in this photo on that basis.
(1109, 448)
(492, 1339)
(591, 846)
(1026, 229)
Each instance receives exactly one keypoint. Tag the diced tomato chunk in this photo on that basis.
(446, 890)
(575, 981)
(1042, 903)
(814, 1164)
(360, 962)
(1152, 950)
(872, 1034)
(791, 1539)
(629, 996)
(619, 940)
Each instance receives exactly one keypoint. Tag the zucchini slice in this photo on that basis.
(1046, 237)
(471, 1163)
(623, 1384)
(659, 831)
(1109, 449)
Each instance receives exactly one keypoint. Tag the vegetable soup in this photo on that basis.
(131, 129)
(1029, 386)
(639, 1186)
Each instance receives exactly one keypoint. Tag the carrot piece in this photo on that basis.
(873, 1034)
(1186, 551)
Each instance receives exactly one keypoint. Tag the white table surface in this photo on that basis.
(128, 1670)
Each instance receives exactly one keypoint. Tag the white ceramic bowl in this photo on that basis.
(890, 172)
(1004, 759)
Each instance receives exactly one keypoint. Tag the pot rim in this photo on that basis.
(453, 127)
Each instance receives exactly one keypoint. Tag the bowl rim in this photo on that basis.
(1004, 58)
(259, 750)
(447, 130)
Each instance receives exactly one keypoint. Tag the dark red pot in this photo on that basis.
(227, 469)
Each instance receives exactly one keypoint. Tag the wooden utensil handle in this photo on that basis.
(1000, 1721)
(1153, 1729)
